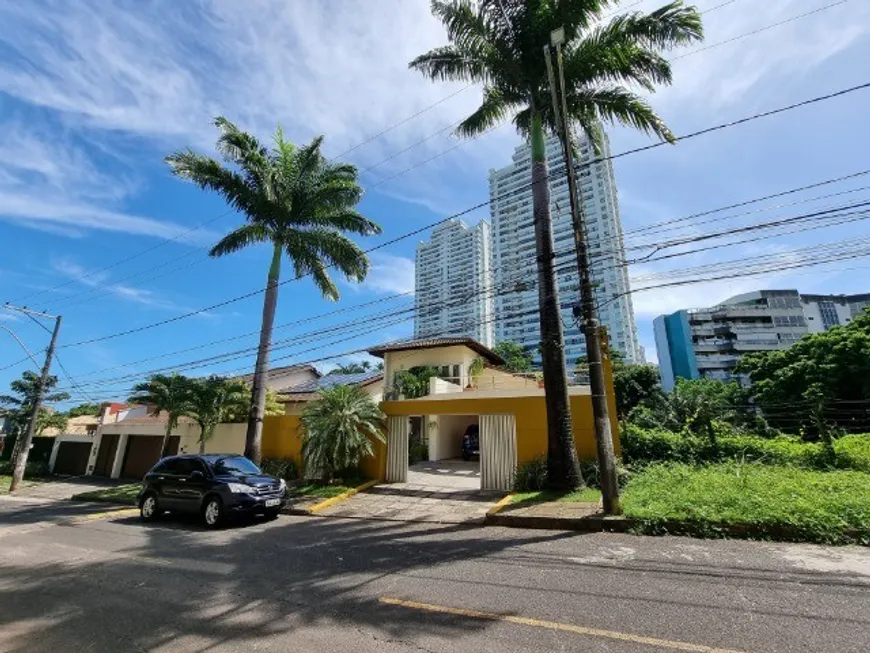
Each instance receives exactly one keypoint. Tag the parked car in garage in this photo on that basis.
(471, 442)
(215, 486)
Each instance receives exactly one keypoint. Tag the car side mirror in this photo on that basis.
(196, 474)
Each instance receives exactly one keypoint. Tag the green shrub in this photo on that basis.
(285, 468)
(417, 452)
(531, 476)
(34, 469)
(644, 446)
(853, 452)
(769, 501)
(592, 477)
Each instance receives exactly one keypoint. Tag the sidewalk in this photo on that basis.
(584, 516)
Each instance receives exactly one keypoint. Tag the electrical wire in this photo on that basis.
(695, 134)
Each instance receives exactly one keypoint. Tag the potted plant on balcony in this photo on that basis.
(475, 369)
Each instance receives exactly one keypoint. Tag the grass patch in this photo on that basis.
(5, 481)
(121, 494)
(586, 494)
(760, 500)
(321, 491)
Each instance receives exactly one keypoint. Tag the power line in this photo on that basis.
(757, 31)
(695, 134)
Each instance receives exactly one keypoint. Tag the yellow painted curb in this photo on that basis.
(323, 505)
(501, 504)
(122, 512)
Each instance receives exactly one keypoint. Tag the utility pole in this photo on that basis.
(24, 448)
(591, 325)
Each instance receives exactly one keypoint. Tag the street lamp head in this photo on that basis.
(557, 36)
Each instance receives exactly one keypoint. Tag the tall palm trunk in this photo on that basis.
(563, 470)
(169, 426)
(254, 435)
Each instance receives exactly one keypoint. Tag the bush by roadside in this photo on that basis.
(642, 446)
(762, 501)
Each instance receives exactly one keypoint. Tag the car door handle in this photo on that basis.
(161, 478)
(183, 480)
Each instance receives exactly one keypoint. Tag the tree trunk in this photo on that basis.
(166, 435)
(202, 442)
(563, 470)
(254, 435)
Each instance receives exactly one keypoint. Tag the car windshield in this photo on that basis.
(235, 465)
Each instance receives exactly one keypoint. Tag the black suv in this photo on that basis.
(214, 485)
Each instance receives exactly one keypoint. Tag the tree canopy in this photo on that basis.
(823, 379)
(517, 358)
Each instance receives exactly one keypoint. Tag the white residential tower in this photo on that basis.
(453, 283)
(513, 252)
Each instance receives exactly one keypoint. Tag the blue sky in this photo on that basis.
(94, 94)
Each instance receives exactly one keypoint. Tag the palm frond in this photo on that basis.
(209, 174)
(616, 104)
(246, 235)
(347, 220)
(595, 60)
(491, 111)
(447, 64)
(339, 428)
(244, 150)
(668, 27)
(330, 247)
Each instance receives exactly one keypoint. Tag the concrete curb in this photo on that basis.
(497, 508)
(323, 505)
(593, 524)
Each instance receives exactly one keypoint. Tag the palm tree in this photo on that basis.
(299, 203)
(499, 44)
(213, 400)
(20, 404)
(339, 428)
(169, 393)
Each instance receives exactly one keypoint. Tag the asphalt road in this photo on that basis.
(75, 579)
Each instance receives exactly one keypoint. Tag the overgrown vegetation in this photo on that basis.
(642, 446)
(531, 476)
(763, 501)
(517, 358)
(817, 386)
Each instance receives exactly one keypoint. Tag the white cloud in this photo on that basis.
(390, 274)
(99, 279)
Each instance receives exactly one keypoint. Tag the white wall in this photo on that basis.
(227, 438)
(446, 440)
(396, 361)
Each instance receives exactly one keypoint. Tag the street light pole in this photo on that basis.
(591, 325)
(24, 449)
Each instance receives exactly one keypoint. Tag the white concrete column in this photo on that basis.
(397, 449)
(119, 456)
(498, 451)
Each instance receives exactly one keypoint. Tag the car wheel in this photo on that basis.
(148, 508)
(213, 512)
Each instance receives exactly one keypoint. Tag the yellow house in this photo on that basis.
(509, 410)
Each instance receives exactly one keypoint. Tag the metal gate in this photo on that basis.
(72, 458)
(498, 452)
(397, 449)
